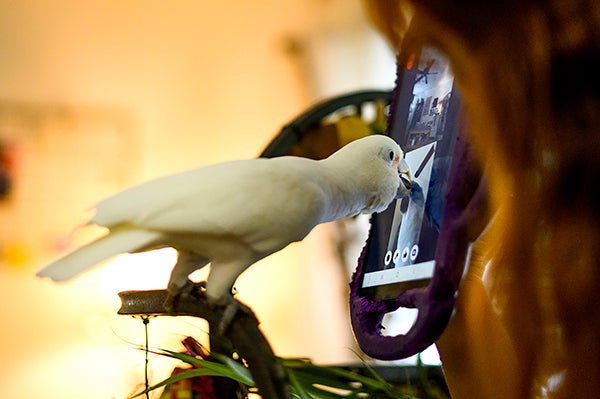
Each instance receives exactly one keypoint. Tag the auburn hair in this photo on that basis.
(526, 70)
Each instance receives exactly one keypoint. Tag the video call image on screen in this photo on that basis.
(425, 124)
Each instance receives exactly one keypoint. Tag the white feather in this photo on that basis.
(235, 213)
(116, 242)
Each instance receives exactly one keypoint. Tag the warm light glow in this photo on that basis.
(143, 271)
(400, 322)
(119, 92)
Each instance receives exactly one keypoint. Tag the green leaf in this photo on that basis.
(179, 377)
(315, 378)
(307, 380)
(221, 370)
(296, 385)
(244, 375)
(372, 383)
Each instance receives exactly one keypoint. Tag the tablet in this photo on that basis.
(424, 120)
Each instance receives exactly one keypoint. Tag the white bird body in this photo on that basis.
(232, 214)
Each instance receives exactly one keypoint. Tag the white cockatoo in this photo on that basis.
(235, 213)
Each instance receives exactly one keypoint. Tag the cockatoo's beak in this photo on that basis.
(405, 179)
(404, 172)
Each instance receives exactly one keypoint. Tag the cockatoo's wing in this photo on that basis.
(257, 200)
(120, 240)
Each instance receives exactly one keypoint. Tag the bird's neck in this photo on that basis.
(345, 197)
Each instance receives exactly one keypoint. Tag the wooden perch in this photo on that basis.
(243, 334)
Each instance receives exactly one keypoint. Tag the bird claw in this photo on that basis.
(230, 306)
(197, 287)
(189, 288)
(229, 313)
(169, 304)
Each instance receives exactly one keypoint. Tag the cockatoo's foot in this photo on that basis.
(170, 303)
(231, 309)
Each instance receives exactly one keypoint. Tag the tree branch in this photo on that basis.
(243, 334)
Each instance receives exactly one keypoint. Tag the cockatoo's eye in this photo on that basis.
(391, 155)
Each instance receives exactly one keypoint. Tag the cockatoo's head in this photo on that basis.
(379, 169)
(393, 154)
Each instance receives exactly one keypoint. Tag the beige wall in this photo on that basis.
(196, 82)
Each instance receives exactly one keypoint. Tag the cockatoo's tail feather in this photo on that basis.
(118, 241)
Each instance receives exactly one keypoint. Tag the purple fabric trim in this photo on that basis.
(464, 217)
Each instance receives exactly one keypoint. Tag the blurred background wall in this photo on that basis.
(98, 95)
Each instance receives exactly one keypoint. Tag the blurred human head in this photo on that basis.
(526, 70)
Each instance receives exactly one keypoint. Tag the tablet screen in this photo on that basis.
(425, 123)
